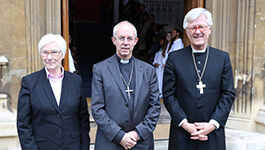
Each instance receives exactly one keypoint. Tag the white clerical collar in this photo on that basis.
(124, 61)
(198, 51)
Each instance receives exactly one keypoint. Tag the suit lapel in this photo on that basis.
(115, 71)
(65, 89)
(48, 90)
(139, 77)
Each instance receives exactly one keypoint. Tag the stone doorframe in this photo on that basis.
(41, 17)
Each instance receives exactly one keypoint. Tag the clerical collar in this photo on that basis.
(198, 51)
(124, 61)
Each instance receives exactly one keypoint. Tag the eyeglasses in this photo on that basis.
(202, 28)
(122, 39)
(54, 53)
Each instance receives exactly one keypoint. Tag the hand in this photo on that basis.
(189, 127)
(204, 128)
(128, 141)
(134, 134)
(156, 65)
(200, 137)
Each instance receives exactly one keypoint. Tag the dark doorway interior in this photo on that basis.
(91, 24)
(91, 33)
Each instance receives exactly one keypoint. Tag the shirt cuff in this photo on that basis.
(139, 135)
(215, 123)
(183, 121)
(119, 136)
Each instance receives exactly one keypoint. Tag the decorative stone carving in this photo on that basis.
(261, 115)
(3, 61)
(5, 114)
(8, 132)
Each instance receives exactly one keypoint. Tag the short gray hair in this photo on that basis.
(48, 38)
(116, 27)
(194, 14)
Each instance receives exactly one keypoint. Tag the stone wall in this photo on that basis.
(259, 61)
(239, 30)
(22, 24)
(13, 46)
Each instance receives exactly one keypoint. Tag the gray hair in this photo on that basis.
(116, 27)
(48, 38)
(194, 14)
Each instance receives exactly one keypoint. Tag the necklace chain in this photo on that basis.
(130, 79)
(207, 55)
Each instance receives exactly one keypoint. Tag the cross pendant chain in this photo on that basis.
(201, 86)
(128, 91)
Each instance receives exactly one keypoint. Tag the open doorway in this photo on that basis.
(91, 24)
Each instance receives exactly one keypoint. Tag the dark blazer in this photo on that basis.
(110, 104)
(183, 100)
(42, 124)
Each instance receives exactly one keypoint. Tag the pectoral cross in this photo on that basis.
(201, 86)
(128, 91)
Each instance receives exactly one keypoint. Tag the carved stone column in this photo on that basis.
(41, 17)
(239, 30)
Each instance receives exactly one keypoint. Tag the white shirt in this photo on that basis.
(56, 84)
(177, 44)
(160, 60)
(71, 62)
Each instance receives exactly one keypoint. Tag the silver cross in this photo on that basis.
(201, 86)
(128, 91)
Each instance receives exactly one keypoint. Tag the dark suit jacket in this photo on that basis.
(183, 100)
(110, 104)
(42, 125)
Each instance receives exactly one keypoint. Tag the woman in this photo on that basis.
(52, 109)
(167, 47)
(160, 60)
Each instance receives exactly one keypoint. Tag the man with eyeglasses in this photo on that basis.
(198, 88)
(125, 96)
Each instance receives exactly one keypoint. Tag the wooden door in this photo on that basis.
(188, 5)
(65, 31)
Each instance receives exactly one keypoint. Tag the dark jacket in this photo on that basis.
(183, 100)
(42, 124)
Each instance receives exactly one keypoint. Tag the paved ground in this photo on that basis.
(159, 145)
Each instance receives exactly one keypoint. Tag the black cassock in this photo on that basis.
(183, 100)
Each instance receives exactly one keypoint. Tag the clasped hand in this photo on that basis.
(198, 131)
(129, 140)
